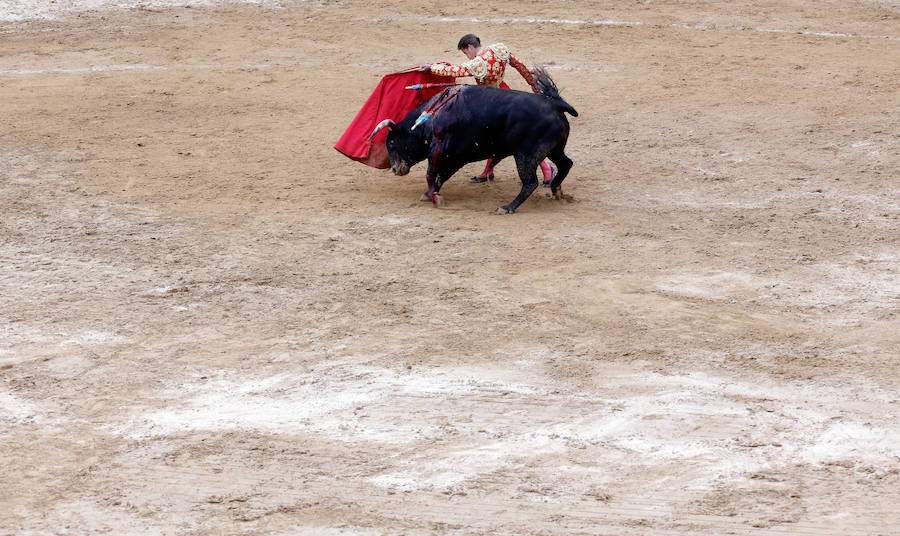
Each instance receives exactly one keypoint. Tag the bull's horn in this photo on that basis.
(386, 123)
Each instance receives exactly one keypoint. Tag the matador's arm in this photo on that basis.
(456, 71)
(526, 74)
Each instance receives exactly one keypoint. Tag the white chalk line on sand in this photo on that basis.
(91, 69)
(146, 67)
(521, 20)
(585, 22)
(132, 67)
(25, 10)
(580, 22)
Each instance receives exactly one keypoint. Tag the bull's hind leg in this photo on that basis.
(527, 166)
(563, 165)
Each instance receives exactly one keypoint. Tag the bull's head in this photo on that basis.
(405, 146)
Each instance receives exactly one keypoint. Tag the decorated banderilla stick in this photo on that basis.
(426, 86)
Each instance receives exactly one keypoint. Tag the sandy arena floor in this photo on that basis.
(213, 323)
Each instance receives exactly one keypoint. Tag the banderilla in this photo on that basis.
(426, 86)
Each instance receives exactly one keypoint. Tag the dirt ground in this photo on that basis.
(211, 322)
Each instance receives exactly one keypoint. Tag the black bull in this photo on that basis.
(471, 123)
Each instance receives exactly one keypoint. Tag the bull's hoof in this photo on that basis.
(557, 193)
(504, 210)
(482, 178)
(425, 197)
(437, 200)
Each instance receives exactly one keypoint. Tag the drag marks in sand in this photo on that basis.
(724, 429)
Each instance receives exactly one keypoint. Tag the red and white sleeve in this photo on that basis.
(445, 69)
(523, 70)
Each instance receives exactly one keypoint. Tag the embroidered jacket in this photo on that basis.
(488, 67)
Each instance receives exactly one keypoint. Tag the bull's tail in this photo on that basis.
(547, 87)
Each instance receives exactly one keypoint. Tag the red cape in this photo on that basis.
(390, 100)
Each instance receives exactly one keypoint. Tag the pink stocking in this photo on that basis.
(546, 170)
(488, 168)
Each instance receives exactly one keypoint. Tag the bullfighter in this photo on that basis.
(488, 65)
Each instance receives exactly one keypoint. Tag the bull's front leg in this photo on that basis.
(434, 186)
(441, 166)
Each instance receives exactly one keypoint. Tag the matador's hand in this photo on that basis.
(427, 67)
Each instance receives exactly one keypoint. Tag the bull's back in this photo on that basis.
(479, 108)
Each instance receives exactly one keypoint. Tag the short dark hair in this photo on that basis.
(468, 39)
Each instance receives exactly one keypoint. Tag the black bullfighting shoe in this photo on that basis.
(478, 178)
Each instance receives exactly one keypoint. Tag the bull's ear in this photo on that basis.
(386, 123)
